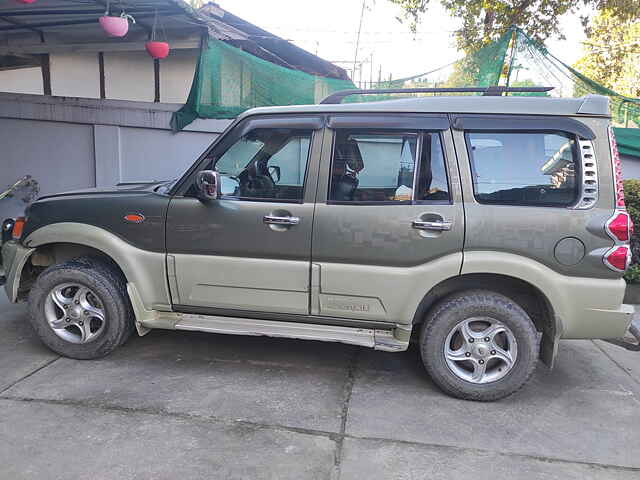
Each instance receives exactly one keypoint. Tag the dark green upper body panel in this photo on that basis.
(107, 209)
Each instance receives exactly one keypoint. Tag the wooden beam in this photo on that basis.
(103, 87)
(22, 24)
(156, 79)
(119, 46)
(45, 66)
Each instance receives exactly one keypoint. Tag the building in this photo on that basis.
(79, 109)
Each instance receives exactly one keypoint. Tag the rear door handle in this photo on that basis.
(436, 226)
(275, 220)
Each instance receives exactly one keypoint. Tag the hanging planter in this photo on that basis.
(155, 48)
(26, 1)
(115, 26)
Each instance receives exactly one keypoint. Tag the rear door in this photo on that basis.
(533, 187)
(389, 221)
(249, 251)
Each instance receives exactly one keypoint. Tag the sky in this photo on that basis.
(329, 28)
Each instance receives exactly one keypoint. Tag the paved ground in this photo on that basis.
(188, 405)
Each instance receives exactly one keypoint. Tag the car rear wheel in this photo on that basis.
(80, 309)
(479, 345)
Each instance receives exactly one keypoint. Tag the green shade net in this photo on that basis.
(482, 68)
(229, 81)
(628, 140)
(516, 60)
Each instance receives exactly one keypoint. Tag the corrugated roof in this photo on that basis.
(34, 27)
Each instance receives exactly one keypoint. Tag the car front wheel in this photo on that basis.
(80, 309)
(479, 345)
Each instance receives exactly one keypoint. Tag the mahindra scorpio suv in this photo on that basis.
(485, 228)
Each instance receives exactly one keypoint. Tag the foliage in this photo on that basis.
(612, 53)
(632, 275)
(483, 21)
(632, 200)
(197, 3)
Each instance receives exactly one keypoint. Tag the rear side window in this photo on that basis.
(524, 168)
(381, 167)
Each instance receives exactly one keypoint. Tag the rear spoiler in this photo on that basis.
(594, 105)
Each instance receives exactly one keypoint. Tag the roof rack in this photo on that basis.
(337, 97)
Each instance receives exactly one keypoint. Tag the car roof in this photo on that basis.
(590, 105)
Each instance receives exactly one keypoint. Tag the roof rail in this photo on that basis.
(337, 97)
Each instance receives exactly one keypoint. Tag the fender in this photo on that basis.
(584, 308)
(146, 270)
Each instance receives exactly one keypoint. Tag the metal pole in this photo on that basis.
(513, 48)
(355, 58)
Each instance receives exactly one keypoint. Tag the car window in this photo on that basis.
(265, 164)
(373, 167)
(432, 181)
(380, 167)
(517, 168)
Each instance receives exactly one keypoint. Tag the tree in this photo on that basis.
(485, 20)
(612, 53)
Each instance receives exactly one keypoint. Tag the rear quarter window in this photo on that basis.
(524, 168)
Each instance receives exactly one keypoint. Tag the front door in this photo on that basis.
(249, 251)
(389, 222)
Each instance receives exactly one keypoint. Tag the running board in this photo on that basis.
(390, 340)
(365, 337)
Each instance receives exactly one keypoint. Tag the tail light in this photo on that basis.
(617, 169)
(18, 227)
(618, 258)
(619, 227)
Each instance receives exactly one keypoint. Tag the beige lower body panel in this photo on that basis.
(394, 340)
(256, 284)
(586, 307)
(377, 293)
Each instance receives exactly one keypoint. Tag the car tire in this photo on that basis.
(479, 345)
(97, 315)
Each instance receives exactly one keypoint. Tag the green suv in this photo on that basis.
(485, 228)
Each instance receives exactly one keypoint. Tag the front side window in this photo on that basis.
(381, 167)
(265, 164)
(515, 168)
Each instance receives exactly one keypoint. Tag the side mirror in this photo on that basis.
(208, 184)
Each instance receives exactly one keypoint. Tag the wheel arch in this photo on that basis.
(63, 241)
(528, 296)
(49, 254)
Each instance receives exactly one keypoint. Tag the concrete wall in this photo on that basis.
(21, 80)
(75, 75)
(68, 143)
(630, 166)
(128, 76)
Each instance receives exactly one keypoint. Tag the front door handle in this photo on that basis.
(435, 226)
(275, 220)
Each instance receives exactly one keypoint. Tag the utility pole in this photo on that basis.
(355, 57)
(371, 71)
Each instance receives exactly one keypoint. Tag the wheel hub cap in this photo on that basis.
(480, 350)
(75, 313)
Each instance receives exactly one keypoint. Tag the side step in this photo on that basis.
(373, 338)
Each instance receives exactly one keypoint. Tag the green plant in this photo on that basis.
(632, 275)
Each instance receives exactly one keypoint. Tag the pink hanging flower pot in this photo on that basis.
(157, 50)
(26, 1)
(114, 26)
